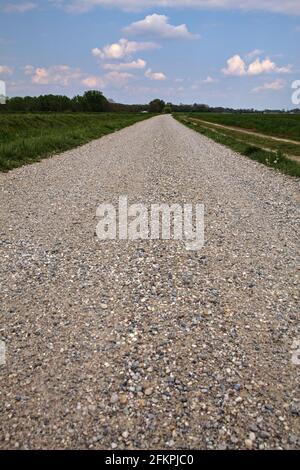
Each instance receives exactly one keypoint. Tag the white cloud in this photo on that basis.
(114, 78)
(271, 86)
(5, 70)
(275, 6)
(158, 26)
(265, 66)
(236, 66)
(210, 80)
(122, 48)
(93, 82)
(254, 53)
(55, 75)
(21, 7)
(64, 75)
(155, 75)
(135, 64)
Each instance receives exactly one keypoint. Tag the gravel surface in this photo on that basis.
(143, 344)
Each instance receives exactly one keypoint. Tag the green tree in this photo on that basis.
(156, 106)
(94, 101)
(168, 108)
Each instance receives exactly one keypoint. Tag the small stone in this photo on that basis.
(125, 434)
(295, 410)
(187, 280)
(222, 447)
(170, 443)
(148, 391)
(293, 439)
(248, 444)
(253, 427)
(114, 445)
(264, 434)
(104, 306)
(252, 436)
(123, 399)
(114, 398)
(269, 408)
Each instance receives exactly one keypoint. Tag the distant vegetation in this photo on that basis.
(157, 106)
(91, 101)
(26, 138)
(204, 108)
(95, 101)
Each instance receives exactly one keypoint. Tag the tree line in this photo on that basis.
(91, 101)
(94, 101)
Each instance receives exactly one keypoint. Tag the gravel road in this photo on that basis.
(144, 344)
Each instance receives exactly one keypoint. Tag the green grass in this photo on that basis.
(276, 160)
(27, 138)
(286, 126)
(261, 141)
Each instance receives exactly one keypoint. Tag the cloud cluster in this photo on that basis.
(64, 75)
(114, 78)
(157, 26)
(93, 82)
(236, 66)
(122, 48)
(135, 64)
(121, 68)
(290, 7)
(56, 75)
(271, 86)
(274, 6)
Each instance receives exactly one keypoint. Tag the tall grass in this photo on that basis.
(26, 138)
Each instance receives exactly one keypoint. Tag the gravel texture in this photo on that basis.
(143, 345)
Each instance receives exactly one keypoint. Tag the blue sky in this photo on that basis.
(237, 53)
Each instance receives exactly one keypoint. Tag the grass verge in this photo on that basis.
(286, 126)
(27, 138)
(276, 160)
(288, 149)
